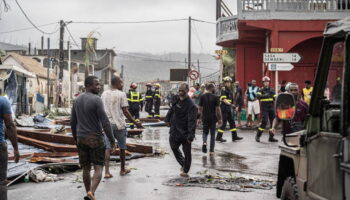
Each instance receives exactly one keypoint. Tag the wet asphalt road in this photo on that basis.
(244, 158)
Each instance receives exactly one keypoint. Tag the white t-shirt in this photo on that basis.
(113, 101)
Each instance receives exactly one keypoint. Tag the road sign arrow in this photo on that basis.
(281, 57)
(280, 66)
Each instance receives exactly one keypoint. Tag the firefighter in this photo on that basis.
(149, 100)
(267, 96)
(135, 101)
(226, 105)
(157, 100)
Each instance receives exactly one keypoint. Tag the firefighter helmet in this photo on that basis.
(133, 85)
(149, 84)
(266, 78)
(227, 79)
(157, 84)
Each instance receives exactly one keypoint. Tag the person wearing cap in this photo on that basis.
(267, 96)
(157, 100)
(226, 105)
(336, 92)
(135, 101)
(149, 100)
(307, 92)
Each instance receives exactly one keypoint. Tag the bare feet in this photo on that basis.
(183, 174)
(91, 196)
(125, 172)
(108, 175)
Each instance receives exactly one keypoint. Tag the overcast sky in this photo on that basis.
(153, 38)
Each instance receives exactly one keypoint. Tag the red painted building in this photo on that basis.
(261, 26)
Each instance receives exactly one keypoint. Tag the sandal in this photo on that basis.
(125, 172)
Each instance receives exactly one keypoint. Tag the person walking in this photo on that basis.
(301, 109)
(200, 89)
(157, 101)
(135, 101)
(149, 100)
(209, 114)
(10, 131)
(89, 122)
(226, 107)
(238, 99)
(267, 96)
(307, 92)
(253, 103)
(181, 118)
(116, 105)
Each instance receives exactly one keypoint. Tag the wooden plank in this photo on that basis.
(46, 136)
(47, 146)
(139, 148)
(56, 154)
(50, 160)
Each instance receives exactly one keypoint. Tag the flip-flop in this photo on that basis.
(125, 172)
(108, 176)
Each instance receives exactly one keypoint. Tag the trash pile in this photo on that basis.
(239, 184)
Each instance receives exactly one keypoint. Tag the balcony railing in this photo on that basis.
(226, 29)
(294, 5)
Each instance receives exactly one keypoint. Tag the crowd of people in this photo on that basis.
(97, 122)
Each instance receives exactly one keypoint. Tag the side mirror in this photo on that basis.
(285, 106)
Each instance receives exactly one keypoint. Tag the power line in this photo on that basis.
(71, 36)
(31, 22)
(203, 21)
(128, 22)
(28, 28)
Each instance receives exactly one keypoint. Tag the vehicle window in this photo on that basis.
(334, 81)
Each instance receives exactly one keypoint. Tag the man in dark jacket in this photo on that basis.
(182, 118)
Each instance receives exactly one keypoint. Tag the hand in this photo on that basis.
(219, 123)
(273, 130)
(139, 125)
(16, 155)
(113, 147)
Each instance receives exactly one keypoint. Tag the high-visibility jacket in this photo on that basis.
(226, 94)
(157, 94)
(149, 95)
(135, 99)
(307, 94)
(266, 95)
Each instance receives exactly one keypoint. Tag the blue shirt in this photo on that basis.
(5, 108)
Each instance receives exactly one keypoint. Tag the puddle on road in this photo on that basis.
(239, 184)
(225, 160)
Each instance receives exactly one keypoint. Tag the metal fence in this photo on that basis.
(295, 5)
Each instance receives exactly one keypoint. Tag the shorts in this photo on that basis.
(120, 135)
(253, 107)
(91, 150)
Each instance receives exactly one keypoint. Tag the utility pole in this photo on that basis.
(70, 74)
(199, 70)
(60, 61)
(185, 62)
(189, 43)
(48, 69)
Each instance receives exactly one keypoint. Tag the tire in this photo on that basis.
(290, 189)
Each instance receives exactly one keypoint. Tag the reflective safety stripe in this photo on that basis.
(270, 129)
(137, 120)
(131, 124)
(149, 116)
(157, 115)
(223, 97)
(234, 129)
(220, 130)
(261, 129)
(147, 97)
(259, 93)
(228, 100)
(274, 95)
(142, 99)
(269, 99)
(134, 97)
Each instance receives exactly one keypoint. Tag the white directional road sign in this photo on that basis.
(280, 66)
(281, 57)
